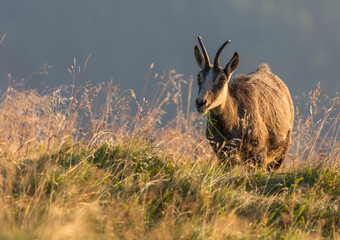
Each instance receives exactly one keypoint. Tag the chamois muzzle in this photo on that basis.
(200, 105)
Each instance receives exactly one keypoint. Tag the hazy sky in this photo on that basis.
(299, 39)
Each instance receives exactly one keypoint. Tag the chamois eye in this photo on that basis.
(222, 81)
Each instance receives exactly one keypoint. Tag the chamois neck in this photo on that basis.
(226, 113)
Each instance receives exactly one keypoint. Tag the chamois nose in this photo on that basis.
(200, 103)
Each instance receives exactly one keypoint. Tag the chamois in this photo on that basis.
(250, 119)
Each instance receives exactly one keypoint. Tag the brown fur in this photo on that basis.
(255, 121)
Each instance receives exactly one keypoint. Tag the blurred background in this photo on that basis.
(299, 39)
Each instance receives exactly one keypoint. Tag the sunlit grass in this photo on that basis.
(71, 168)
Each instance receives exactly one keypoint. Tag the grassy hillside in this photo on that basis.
(72, 169)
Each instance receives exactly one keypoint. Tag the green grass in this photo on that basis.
(131, 190)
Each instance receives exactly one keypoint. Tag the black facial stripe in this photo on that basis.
(205, 73)
(200, 80)
(216, 73)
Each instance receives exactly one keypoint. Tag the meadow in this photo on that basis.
(91, 161)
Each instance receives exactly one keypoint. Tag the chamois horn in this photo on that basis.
(218, 54)
(205, 54)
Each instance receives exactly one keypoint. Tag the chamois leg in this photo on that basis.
(229, 157)
(259, 159)
(253, 160)
(274, 165)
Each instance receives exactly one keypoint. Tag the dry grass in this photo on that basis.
(70, 168)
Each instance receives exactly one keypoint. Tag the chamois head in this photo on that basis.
(212, 79)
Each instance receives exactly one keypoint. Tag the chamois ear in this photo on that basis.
(232, 65)
(199, 57)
